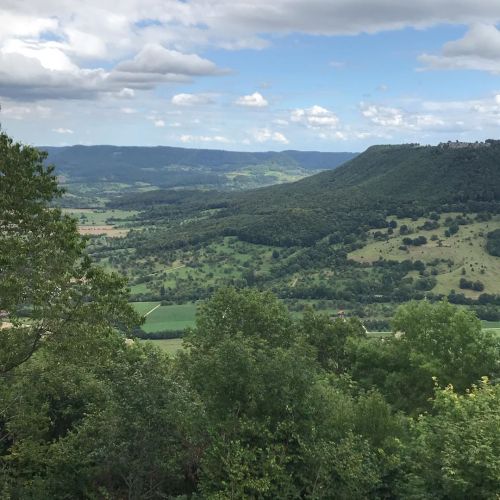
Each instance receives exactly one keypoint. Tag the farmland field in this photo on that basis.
(144, 307)
(166, 318)
(99, 217)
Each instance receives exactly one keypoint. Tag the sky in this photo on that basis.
(249, 75)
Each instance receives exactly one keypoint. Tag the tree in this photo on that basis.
(431, 340)
(456, 448)
(44, 273)
(331, 338)
(276, 427)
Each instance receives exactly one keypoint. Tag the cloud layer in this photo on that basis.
(158, 64)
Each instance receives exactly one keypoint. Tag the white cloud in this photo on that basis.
(191, 99)
(128, 111)
(266, 135)
(383, 115)
(24, 24)
(159, 123)
(126, 93)
(157, 60)
(327, 17)
(38, 69)
(315, 117)
(25, 78)
(255, 100)
(97, 28)
(48, 54)
(397, 119)
(61, 130)
(479, 49)
(187, 138)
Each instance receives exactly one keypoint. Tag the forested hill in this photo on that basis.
(406, 173)
(130, 164)
(405, 180)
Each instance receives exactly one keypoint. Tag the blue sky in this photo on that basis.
(330, 75)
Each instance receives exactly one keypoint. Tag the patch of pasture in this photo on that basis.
(466, 249)
(170, 318)
(99, 217)
(144, 307)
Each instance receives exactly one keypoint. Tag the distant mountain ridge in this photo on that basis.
(137, 164)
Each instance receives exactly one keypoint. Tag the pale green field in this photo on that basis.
(144, 307)
(466, 249)
(491, 324)
(99, 217)
(166, 318)
(171, 346)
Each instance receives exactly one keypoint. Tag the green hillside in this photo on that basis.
(405, 180)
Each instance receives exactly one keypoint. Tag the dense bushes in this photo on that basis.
(493, 243)
(477, 286)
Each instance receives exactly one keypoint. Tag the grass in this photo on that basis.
(170, 318)
(143, 307)
(99, 217)
(171, 346)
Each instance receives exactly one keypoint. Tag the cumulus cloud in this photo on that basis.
(24, 77)
(16, 23)
(48, 73)
(226, 23)
(265, 135)
(326, 17)
(479, 49)
(315, 117)
(383, 115)
(126, 93)
(421, 120)
(45, 46)
(255, 100)
(158, 123)
(157, 60)
(191, 99)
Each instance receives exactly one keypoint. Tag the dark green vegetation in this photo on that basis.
(92, 172)
(394, 224)
(493, 243)
(257, 405)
